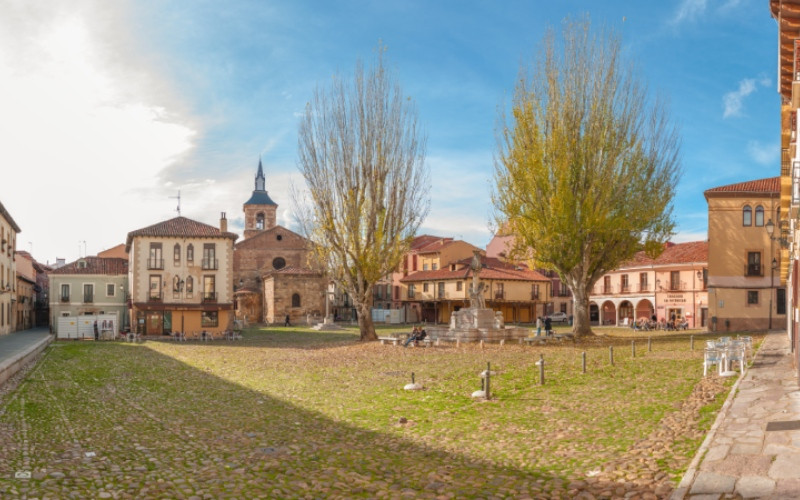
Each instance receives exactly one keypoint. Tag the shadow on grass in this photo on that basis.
(128, 420)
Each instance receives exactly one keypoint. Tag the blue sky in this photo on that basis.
(111, 107)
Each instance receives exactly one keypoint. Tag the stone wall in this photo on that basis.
(279, 289)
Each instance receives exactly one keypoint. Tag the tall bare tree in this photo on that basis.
(362, 155)
(587, 162)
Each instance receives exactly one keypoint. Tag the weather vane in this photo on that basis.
(179, 202)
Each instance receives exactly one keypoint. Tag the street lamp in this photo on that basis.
(783, 240)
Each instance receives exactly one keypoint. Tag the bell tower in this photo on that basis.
(259, 210)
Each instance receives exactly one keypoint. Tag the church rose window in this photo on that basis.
(278, 263)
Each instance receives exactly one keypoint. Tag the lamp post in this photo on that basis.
(783, 240)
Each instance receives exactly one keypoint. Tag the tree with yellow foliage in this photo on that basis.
(587, 163)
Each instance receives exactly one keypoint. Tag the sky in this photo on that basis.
(109, 109)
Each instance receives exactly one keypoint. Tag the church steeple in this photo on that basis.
(260, 177)
(259, 210)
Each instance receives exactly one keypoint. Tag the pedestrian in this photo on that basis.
(286, 323)
(548, 326)
(412, 337)
(538, 326)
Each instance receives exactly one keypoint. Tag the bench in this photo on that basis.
(393, 340)
(531, 340)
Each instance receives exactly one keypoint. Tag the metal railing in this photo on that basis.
(155, 263)
(210, 264)
(154, 296)
(209, 296)
(753, 270)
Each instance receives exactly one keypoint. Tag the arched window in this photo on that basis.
(176, 254)
(260, 221)
(759, 216)
(747, 216)
(189, 286)
(190, 253)
(278, 263)
(295, 300)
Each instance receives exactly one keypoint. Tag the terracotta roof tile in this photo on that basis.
(674, 253)
(179, 226)
(111, 266)
(295, 270)
(768, 185)
(494, 269)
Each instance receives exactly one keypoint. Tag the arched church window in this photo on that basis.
(747, 216)
(176, 254)
(190, 253)
(296, 300)
(260, 221)
(278, 263)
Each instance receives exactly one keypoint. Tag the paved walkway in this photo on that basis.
(753, 449)
(16, 348)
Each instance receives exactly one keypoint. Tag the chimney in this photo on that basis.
(223, 223)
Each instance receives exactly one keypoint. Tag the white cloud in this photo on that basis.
(689, 10)
(85, 134)
(732, 101)
(764, 154)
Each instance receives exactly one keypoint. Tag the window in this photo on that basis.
(675, 280)
(441, 289)
(189, 287)
(752, 297)
(176, 287)
(434, 266)
(625, 284)
(564, 307)
(425, 266)
(498, 292)
(209, 256)
(176, 254)
(410, 291)
(278, 263)
(155, 261)
(64, 293)
(65, 314)
(606, 284)
(88, 293)
(643, 282)
(747, 216)
(209, 288)
(155, 287)
(424, 287)
(759, 216)
(460, 286)
(260, 221)
(295, 300)
(753, 264)
(209, 319)
(190, 253)
(396, 292)
(110, 290)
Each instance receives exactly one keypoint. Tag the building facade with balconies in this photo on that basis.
(181, 277)
(8, 279)
(26, 291)
(514, 290)
(89, 286)
(671, 286)
(744, 284)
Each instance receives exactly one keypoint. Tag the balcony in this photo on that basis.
(625, 288)
(676, 287)
(154, 296)
(88, 299)
(644, 287)
(155, 263)
(499, 295)
(753, 270)
(64, 299)
(210, 264)
(209, 296)
(534, 296)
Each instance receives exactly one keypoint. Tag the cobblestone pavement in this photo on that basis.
(754, 450)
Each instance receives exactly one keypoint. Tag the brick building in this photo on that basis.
(8, 280)
(273, 273)
(26, 291)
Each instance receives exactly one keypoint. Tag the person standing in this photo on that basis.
(538, 326)
(548, 326)
(286, 323)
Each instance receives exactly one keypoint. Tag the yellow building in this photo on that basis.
(181, 277)
(8, 275)
(514, 290)
(744, 261)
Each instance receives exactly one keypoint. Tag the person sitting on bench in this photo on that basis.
(412, 337)
(420, 336)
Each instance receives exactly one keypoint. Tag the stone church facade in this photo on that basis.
(272, 274)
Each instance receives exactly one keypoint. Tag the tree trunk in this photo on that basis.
(365, 324)
(581, 326)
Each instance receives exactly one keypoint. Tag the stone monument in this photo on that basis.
(476, 322)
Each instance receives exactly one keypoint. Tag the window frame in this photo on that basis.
(747, 216)
(752, 298)
(759, 213)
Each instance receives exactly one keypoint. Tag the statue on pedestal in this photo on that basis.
(476, 299)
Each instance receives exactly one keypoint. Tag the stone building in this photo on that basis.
(26, 291)
(274, 275)
(8, 280)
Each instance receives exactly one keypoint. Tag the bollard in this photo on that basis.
(412, 378)
(691, 342)
(488, 378)
(650, 344)
(633, 348)
(611, 354)
(502, 341)
(541, 369)
(583, 362)
(481, 343)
